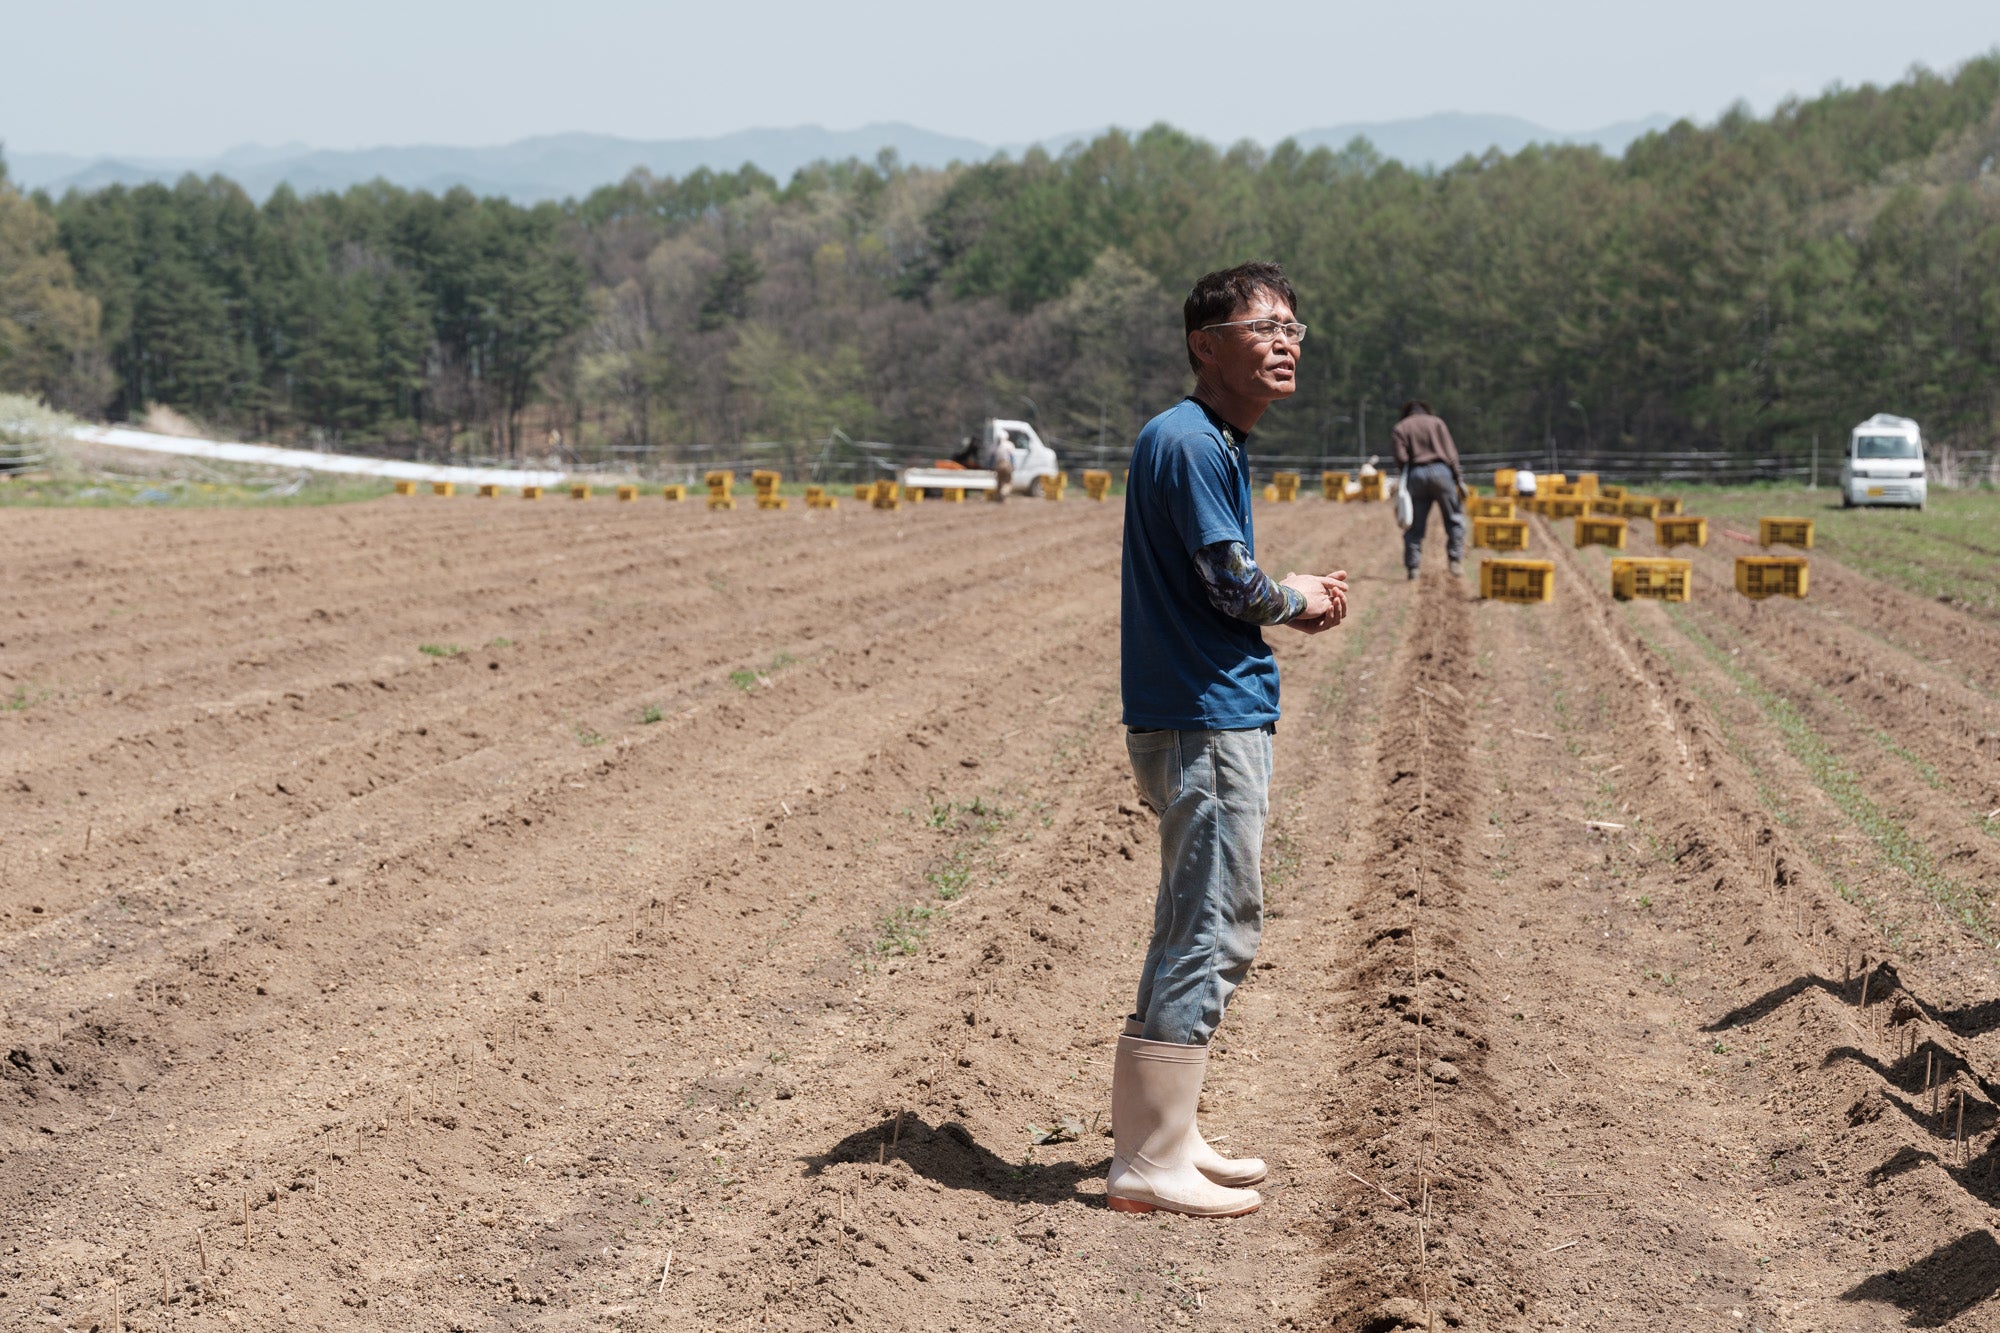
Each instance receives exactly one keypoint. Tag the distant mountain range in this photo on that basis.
(560, 166)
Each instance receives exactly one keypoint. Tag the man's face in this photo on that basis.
(1258, 369)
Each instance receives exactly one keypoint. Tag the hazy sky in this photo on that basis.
(196, 76)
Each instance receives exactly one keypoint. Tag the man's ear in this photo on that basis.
(1202, 344)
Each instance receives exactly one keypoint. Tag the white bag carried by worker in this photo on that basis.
(1406, 509)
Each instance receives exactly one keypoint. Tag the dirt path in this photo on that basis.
(570, 916)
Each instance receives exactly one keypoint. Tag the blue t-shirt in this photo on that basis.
(1184, 665)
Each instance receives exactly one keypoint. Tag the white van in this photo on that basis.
(1885, 463)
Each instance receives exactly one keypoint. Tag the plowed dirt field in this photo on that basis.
(455, 914)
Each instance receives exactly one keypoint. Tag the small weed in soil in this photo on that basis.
(749, 678)
(585, 736)
(439, 649)
(651, 715)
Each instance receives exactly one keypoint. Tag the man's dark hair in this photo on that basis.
(1219, 295)
(1416, 405)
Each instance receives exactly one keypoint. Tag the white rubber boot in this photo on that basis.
(1154, 1088)
(1238, 1172)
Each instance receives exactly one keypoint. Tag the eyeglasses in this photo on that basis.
(1265, 330)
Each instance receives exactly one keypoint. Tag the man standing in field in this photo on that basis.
(1429, 460)
(1201, 705)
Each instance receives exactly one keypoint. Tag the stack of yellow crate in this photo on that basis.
(1054, 485)
(817, 498)
(1097, 484)
(766, 483)
(886, 495)
(1287, 484)
(721, 489)
(1333, 485)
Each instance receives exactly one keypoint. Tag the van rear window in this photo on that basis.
(1886, 446)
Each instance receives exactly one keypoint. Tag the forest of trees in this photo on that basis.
(1732, 287)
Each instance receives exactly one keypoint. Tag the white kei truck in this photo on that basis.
(1884, 464)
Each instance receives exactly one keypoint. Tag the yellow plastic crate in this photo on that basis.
(1785, 532)
(1270, 493)
(956, 494)
(1640, 506)
(719, 500)
(1771, 575)
(719, 480)
(1333, 485)
(1553, 480)
(886, 495)
(1672, 532)
(1565, 506)
(1500, 534)
(1054, 485)
(531, 492)
(579, 492)
(488, 491)
(628, 492)
(1566, 491)
(1503, 482)
(443, 488)
(1371, 486)
(1586, 483)
(676, 492)
(1607, 508)
(864, 492)
(766, 482)
(406, 488)
(1601, 532)
(1287, 484)
(1096, 484)
(1517, 580)
(1669, 504)
(1657, 578)
(773, 502)
(1610, 492)
(1480, 506)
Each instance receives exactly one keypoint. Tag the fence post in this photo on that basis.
(1815, 463)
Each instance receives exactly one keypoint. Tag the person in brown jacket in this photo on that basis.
(1429, 460)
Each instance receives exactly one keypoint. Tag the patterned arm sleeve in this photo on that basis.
(1236, 587)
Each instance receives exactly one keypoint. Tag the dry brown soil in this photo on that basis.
(703, 932)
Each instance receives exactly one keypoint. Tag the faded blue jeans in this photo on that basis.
(1433, 484)
(1211, 790)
